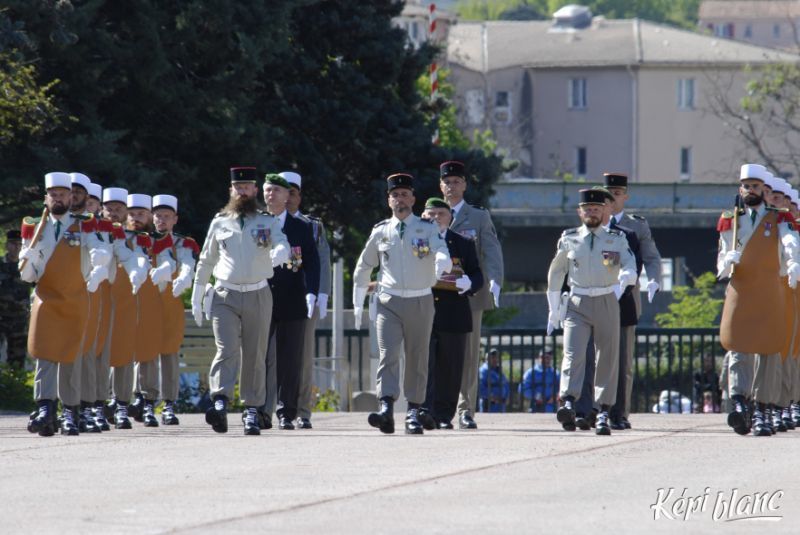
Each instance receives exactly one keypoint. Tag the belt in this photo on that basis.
(593, 292)
(406, 293)
(241, 287)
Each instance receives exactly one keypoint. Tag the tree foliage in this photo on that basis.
(681, 13)
(693, 306)
(166, 95)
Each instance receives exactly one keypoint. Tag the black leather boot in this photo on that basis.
(383, 419)
(413, 425)
(41, 420)
(566, 413)
(217, 415)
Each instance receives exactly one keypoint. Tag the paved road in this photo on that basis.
(517, 473)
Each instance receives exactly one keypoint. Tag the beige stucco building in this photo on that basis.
(623, 95)
(772, 23)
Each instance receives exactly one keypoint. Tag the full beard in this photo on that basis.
(58, 209)
(592, 222)
(240, 206)
(751, 199)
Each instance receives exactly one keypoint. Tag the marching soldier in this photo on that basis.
(617, 184)
(128, 273)
(241, 248)
(475, 224)
(56, 254)
(14, 302)
(304, 396)
(294, 288)
(149, 327)
(410, 255)
(452, 320)
(764, 247)
(781, 417)
(87, 369)
(585, 412)
(183, 251)
(600, 266)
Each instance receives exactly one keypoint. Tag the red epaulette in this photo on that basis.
(189, 243)
(28, 228)
(143, 240)
(105, 225)
(162, 244)
(785, 217)
(724, 223)
(117, 231)
(89, 224)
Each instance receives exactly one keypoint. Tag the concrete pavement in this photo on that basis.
(518, 472)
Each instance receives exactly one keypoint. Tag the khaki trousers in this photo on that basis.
(404, 322)
(586, 316)
(305, 403)
(240, 321)
(741, 370)
(468, 397)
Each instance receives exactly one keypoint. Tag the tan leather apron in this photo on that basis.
(93, 325)
(123, 329)
(753, 314)
(789, 319)
(149, 328)
(174, 319)
(60, 308)
(104, 291)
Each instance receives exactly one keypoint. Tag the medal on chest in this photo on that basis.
(261, 236)
(767, 228)
(73, 239)
(420, 247)
(295, 261)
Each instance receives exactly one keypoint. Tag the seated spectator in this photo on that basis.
(540, 384)
(493, 388)
(708, 403)
(707, 380)
(672, 402)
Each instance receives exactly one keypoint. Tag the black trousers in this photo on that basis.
(289, 338)
(445, 366)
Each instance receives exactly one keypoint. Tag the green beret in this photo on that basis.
(276, 180)
(436, 202)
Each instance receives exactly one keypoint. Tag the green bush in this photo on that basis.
(16, 389)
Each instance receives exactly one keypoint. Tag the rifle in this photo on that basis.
(36, 235)
(737, 205)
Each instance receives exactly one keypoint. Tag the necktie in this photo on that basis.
(58, 228)
(613, 221)
(591, 241)
(402, 228)
(241, 221)
(753, 215)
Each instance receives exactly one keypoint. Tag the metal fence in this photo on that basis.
(665, 360)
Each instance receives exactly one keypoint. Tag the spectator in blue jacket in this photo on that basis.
(493, 388)
(540, 384)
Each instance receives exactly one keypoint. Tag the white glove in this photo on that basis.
(96, 276)
(279, 255)
(311, 300)
(494, 288)
(553, 307)
(463, 283)
(359, 293)
(28, 253)
(161, 273)
(443, 264)
(208, 300)
(652, 288)
(137, 277)
(33, 258)
(99, 256)
(197, 305)
(626, 278)
(322, 303)
(179, 285)
(732, 257)
(618, 291)
(794, 274)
